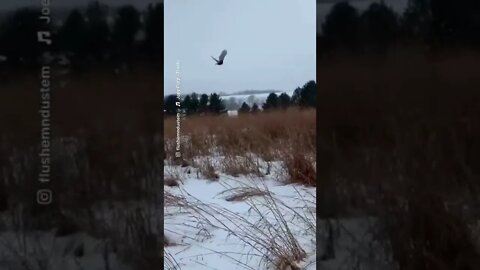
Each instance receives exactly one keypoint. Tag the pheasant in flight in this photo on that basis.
(220, 58)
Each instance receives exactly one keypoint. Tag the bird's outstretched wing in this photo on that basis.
(214, 59)
(222, 55)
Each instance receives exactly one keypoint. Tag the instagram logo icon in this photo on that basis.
(44, 196)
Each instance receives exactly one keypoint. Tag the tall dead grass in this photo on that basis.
(287, 136)
(396, 133)
(107, 146)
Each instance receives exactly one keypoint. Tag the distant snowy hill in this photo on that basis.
(234, 101)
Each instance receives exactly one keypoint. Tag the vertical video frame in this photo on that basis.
(240, 134)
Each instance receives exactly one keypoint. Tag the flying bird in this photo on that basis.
(220, 58)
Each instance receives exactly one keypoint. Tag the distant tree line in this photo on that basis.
(86, 37)
(305, 96)
(434, 23)
(195, 104)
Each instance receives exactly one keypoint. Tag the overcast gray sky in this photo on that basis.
(270, 44)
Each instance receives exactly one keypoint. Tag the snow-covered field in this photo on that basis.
(251, 222)
(115, 237)
(37, 250)
(244, 222)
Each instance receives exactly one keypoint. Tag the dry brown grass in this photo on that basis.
(241, 146)
(110, 117)
(248, 131)
(271, 238)
(287, 136)
(300, 169)
(427, 236)
(207, 169)
(106, 146)
(95, 102)
(397, 132)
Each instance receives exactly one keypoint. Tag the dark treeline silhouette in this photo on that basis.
(18, 38)
(437, 24)
(195, 104)
(96, 35)
(304, 97)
